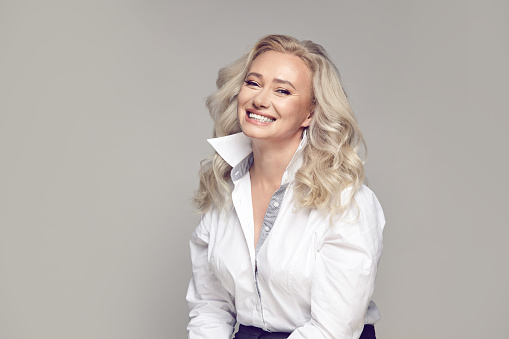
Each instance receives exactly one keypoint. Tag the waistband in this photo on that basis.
(251, 332)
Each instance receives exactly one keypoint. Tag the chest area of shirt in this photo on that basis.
(287, 253)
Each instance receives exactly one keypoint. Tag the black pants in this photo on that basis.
(250, 332)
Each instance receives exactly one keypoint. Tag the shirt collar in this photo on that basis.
(237, 151)
(232, 148)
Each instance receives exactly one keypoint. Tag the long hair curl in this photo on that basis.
(331, 161)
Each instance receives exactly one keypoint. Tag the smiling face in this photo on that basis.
(275, 101)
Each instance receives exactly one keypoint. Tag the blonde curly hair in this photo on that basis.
(331, 161)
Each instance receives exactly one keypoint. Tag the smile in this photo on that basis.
(259, 118)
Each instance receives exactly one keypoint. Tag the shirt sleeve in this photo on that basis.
(212, 310)
(344, 277)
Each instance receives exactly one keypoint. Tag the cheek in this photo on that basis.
(288, 109)
(239, 105)
(299, 112)
(243, 96)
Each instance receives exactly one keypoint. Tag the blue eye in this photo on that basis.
(283, 91)
(251, 83)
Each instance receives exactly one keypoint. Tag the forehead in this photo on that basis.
(281, 65)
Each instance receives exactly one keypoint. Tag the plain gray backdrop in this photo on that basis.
(103, 126)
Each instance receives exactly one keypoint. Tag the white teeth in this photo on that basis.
(260, 118)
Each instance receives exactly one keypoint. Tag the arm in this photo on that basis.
(345, 270)
(212, 310)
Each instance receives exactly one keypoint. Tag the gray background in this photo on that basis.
(103, 125)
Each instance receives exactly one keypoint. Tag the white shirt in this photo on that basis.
(305, 276)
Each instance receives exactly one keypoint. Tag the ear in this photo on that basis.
(307, 121)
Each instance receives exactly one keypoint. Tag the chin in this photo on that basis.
(255, 133)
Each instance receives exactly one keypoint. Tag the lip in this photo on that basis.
(252, 110)
(256, 122)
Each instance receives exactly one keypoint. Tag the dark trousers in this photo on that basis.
(250, 332)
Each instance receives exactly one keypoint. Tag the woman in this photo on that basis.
(290, 238)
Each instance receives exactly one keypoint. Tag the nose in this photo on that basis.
(261, 99)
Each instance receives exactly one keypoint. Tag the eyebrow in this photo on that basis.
(279, 81)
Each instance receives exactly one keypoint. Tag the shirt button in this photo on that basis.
(267, 228)
(276, 204)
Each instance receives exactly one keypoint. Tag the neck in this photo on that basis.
(270, 162)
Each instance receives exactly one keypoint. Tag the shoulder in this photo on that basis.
(364, 213)
(214, 218)
(368, 204)
(367, 201)
(202, 231)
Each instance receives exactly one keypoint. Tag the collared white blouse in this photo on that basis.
(305, 276)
